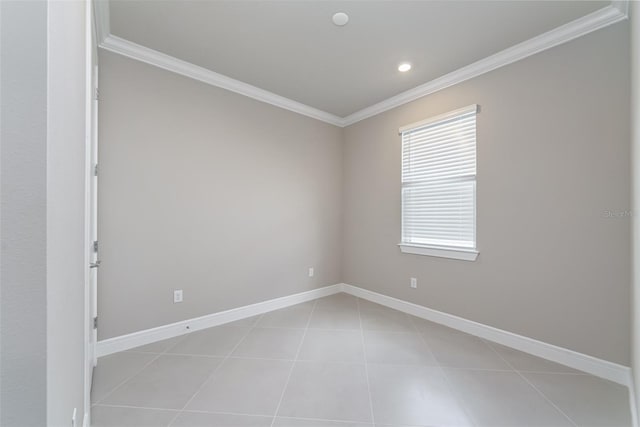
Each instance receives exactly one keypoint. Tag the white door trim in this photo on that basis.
(91, 52)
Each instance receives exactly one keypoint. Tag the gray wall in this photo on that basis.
(553, 156)
(23, 118)
(634, 19)
(211, 192)
(66, 256)
(42, 260)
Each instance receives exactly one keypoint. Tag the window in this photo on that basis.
(439, 186)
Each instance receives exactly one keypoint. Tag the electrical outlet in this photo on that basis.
(177, 296)
(414, 283)
(311, 272)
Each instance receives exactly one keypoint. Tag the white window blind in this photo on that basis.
(439, 182)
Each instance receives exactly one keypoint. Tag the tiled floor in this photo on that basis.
(342, 361)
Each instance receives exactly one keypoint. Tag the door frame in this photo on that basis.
(93, 218)
(90, 226)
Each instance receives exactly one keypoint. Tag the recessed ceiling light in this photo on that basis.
(404, 67)
(340, 19)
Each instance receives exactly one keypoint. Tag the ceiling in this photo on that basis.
(293, 49)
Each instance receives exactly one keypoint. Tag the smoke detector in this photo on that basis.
(340, 19)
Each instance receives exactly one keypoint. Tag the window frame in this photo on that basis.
(453, 252)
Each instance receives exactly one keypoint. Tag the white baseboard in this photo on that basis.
(592, 365)
(148, 336)
(601, 368)
(632, 402)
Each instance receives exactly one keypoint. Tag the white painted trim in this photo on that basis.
(461, 254)
(632, 402)
(89, 347)
(564, 33)
(169, 63)
(473, 108)
(622, 6)
(592, 365)
(148, 336)
(601, 18)
(102, 19)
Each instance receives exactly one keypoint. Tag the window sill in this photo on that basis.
(461, 254)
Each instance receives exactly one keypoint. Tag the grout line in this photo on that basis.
(424, 340)
(450, 386)
(153, 359)
(355, 362)
(240, 414)
(198, 411)
(214, 371)
(107, 405)
(310, 327)
(236, 414)
(290, 328)
(366, 366)
(297, 359)
(457, 368)
(205, 356)
(348, 422)
(573, 371)
(136, 352)
(293, 365)
(412, 323)
(583, 374)
(533, 386)
(385, 331)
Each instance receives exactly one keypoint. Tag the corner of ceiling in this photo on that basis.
(622, 6)
(153, 57)
(102, 20)
(608, 15)
(579, 27)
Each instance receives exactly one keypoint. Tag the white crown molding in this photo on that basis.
(622, 6)
(102, 20)
(562, 34)
(167, 62)
(606, 16)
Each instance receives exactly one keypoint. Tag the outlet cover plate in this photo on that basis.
(177, 296)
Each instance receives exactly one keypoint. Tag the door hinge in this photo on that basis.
(97, 94)
(95, 246)
(95, 170)
(95, 322)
